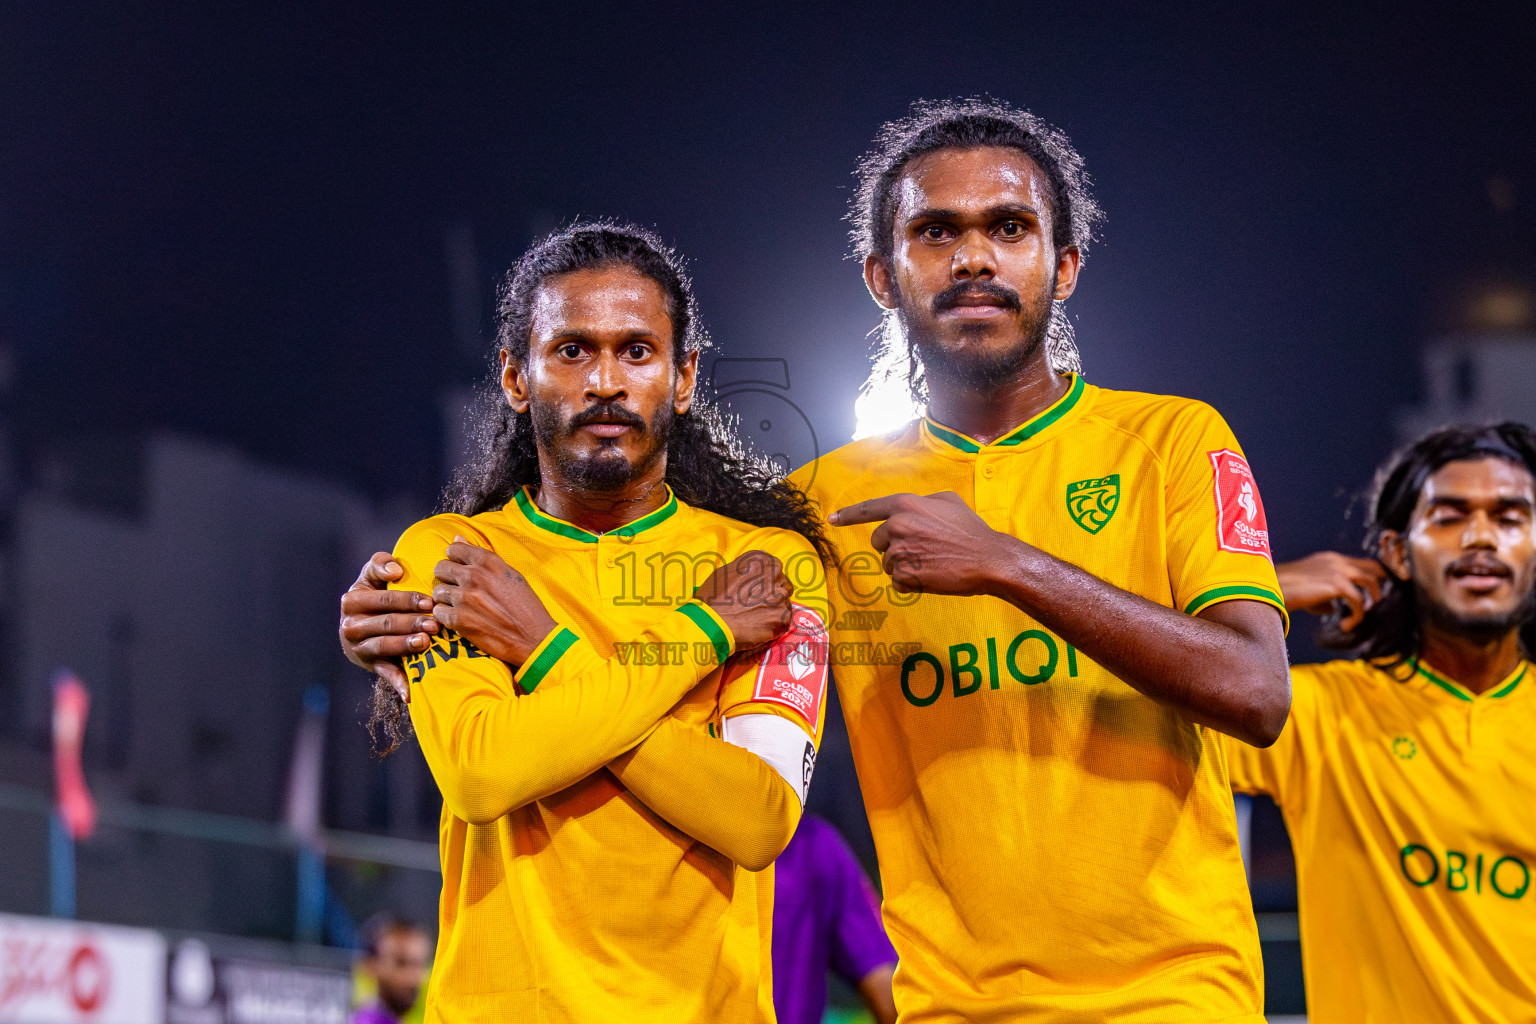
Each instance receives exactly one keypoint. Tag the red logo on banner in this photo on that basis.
(793, 671)
(1240, 522)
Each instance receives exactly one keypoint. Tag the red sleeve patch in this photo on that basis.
(1240, 522)
(793, 671)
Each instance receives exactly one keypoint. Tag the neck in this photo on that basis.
(602, 511)
(987, 413)
(1476, 663)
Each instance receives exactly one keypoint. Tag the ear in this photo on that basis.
(514, 383)
(1068, 259)
(1393, 552)
(878, 279)
(687, 381)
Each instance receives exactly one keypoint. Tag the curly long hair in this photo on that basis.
(1392, 631)
(932, 125)
(708, 466)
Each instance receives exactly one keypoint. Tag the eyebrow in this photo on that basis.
(578, 333)
(1501, 502)
(999, 212)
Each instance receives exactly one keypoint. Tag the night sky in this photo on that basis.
(230, 220)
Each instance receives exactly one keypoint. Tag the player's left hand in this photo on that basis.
(932, 544)
(489, 603)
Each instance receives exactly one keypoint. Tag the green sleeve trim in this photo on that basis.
(701, 615)
(1238, 592)
(544, 657)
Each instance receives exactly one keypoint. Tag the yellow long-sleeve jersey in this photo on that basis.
(566, 897)
(1053, 845)
(1411, 804)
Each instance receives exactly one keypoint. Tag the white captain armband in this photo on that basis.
(778, 741)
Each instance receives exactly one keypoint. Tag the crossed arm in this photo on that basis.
(495, 754)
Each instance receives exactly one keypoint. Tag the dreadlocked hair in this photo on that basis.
(1391, 631)
(973, 123)
(707, 464)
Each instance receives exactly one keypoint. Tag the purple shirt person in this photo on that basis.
(826, 915)
(395, 954)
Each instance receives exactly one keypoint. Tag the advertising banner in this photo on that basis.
(66, 972)
(207, 988)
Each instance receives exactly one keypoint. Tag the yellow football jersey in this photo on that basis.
(579, 903)
(1052, 844)
(1411, 804)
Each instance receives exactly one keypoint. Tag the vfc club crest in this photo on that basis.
(1092, 503)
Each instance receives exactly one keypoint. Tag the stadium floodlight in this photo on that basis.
(884, 407)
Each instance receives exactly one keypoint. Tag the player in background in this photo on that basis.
(395, 955)
(1407, 777)
(826, 916)
(1085, 576)
(614, 783)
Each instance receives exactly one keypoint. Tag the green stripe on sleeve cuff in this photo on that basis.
(1238, 592)
(544, 657)
(701, 615)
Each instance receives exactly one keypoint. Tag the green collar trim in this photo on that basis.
(1020, 434)
(1508, 688)
(1460, 692)
(538, 517)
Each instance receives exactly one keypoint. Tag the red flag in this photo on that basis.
(71, 702)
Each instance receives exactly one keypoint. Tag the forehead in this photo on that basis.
(1481, 479)
(971, 180)
(402, 942)
(603, 300)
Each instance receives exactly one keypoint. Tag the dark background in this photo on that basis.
(241, 223)
(230, 220)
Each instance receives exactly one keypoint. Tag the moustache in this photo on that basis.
(950, 297)
(1479, 564)
(606, 412)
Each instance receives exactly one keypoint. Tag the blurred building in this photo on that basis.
(1482, 366)
(194, 592)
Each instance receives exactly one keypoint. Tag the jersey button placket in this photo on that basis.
(608, 569)
(987, 472)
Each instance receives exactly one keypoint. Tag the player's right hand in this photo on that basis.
(1322, 581)
(380, 625)
(752, 595)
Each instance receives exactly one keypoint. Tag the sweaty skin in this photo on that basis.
(983, 216)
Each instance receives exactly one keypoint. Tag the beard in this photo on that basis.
(607, 468)
(1482, 627)
(968, 368)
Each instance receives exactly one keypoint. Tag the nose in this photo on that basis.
(605, 380)
(973, 259)
(1480, 532)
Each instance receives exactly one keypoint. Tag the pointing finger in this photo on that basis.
(871, 511)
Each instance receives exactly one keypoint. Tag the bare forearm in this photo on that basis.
(1232, 679)
(723, 795)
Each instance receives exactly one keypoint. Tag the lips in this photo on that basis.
(605, 428)
(1480, 576)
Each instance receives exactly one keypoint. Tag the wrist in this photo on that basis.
(1007, 564)
(532, 638)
